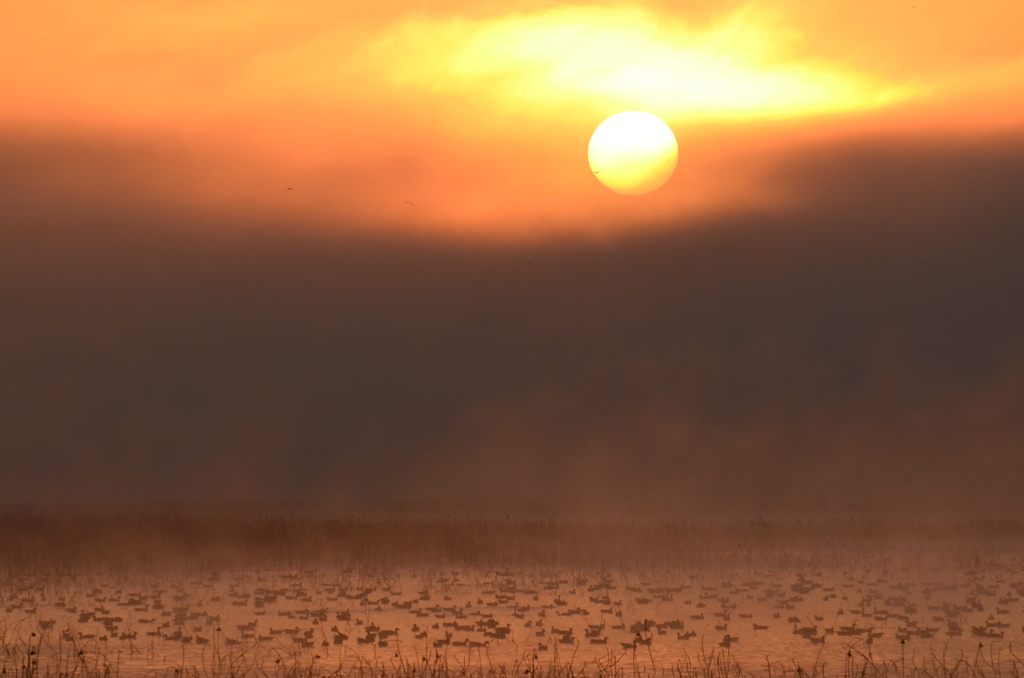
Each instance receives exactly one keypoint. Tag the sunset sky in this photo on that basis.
(479, 112)
(820, 310)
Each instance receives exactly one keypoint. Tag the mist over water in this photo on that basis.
(859, 352)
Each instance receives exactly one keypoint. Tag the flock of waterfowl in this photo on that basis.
(491, 617)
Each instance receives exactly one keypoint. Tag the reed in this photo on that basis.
(23, 656)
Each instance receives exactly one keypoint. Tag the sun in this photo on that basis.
(633, 153)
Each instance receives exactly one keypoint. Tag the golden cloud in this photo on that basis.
(612, 59)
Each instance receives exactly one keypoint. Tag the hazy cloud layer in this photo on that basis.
(862, 350)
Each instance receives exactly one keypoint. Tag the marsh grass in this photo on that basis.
(20, 657)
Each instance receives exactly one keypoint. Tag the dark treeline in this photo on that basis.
(53, 542)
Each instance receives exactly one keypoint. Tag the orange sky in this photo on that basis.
(479, 113)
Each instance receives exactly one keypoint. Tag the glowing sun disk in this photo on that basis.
(633, 153)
